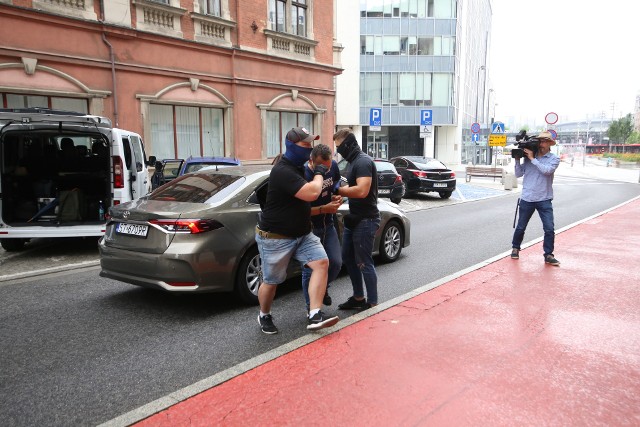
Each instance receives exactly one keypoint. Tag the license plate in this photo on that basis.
(384, 191)
(132, 229)
(440, 184)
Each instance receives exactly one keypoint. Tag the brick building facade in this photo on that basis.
(194, 77)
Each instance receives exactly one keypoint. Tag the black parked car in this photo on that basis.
(423, 174)
(389, 181)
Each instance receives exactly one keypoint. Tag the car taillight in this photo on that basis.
(193, 226)
(118, 180)
(418, 173)
(453, 174)
(398, 179)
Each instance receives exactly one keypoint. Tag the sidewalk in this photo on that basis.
(504, 343)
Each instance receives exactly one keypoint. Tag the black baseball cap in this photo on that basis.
(301, 135)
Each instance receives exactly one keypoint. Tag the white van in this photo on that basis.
(60, 172)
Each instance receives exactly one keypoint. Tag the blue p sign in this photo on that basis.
(375, 117)
(425, 118)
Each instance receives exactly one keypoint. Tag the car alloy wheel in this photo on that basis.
(249, 277)
(391, 242)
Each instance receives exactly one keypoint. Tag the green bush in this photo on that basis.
(625, 157)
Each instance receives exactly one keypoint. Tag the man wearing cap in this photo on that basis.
(284, 231)
(537, 193)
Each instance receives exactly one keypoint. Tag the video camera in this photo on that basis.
(525, 141)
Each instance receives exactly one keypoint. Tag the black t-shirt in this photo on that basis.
(283, 213)
(330, 179)
(363, 166)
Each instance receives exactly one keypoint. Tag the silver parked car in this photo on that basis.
(197, 234)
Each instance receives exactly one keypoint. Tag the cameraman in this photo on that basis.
(537, 193)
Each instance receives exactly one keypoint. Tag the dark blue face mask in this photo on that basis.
(296, 154)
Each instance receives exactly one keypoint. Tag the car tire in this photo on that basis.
(396, 200)
(445, 194)
(391, 242)
(12, 245)
(249, 277)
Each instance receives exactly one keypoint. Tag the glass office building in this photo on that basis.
(417, 55)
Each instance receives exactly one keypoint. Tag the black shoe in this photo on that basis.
(266, 324)
(515, 253)
(327, 299)
(551, 260)
(321, 320)
(354, 304)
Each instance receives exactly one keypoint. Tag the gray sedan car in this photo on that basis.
(197, 234)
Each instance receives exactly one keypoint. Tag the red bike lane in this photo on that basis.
(510, 343)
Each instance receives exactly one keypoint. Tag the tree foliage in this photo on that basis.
(620, 129)
(634, 138)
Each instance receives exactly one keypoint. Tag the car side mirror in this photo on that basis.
(152, 161)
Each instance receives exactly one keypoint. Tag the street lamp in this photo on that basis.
(488, 118)
(477, 90)
(478, 99)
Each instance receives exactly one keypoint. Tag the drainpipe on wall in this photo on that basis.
(113, 78)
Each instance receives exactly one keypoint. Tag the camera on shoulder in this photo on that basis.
(525, 141)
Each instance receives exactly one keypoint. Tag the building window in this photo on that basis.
(279, 123)
(12, 100)
(210, 7)
(289, 16)
(183, 131)
(408, 8)
(405, 89)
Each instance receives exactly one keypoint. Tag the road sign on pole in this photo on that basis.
(475, 137)
(426, 117)
(475, 128)
(375, 119)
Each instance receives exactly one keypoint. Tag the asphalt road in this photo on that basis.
(78, 349)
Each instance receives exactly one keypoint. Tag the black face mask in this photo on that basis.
(348, 148)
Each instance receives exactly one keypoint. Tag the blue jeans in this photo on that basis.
(329, 238)
(275, 255)
(357, 245)
(545, 210)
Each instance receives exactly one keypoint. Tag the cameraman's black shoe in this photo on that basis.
(515, 253)
(551, 260)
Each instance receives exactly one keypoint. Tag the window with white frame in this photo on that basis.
(181, 131)
(289, 16)
(281, 122)
(210, 7)
(13, 100)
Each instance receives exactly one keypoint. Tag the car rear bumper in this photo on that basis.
(391, 192)
(159, 271)
(427, 185)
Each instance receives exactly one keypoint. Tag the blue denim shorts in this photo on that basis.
(277, 253)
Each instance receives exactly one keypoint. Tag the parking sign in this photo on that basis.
(375, 117)
(426, 118)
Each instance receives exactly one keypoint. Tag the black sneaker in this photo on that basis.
(515, 253)
(321, 320)
(327, 299)
(266, 324)
(354, 304)
(551, 260)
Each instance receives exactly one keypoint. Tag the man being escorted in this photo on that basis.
(362, 222)
(322, 212)
(537, 194)
(284, 231)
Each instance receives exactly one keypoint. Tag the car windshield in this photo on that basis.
(385, 167)
(198, 188)
(427, 163)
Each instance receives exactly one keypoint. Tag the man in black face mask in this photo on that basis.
(362, 222)
(284, 231)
